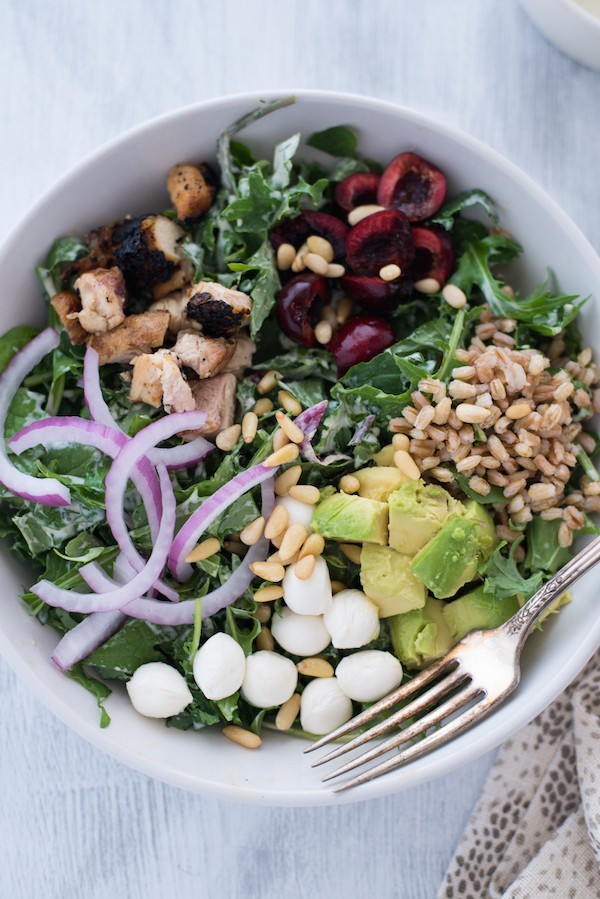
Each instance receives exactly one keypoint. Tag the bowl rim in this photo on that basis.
(582, 13)
(403, 778)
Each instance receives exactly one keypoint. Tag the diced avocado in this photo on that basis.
(417, 512)
(388, 581)
(378, 482)
(422, 636)
(486, 534)
(451, 558)
(477, 611)
(385, 456)
(351, 519)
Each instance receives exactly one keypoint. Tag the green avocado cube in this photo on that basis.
(417, 512)
(486, 532)
(477, 611)
(388, 581)
(378, 482)
(351, 519)
(421, 636)
(450, 559)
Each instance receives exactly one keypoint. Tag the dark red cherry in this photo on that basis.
(329, 227)
(375, 294)
(434, 255)
(413, 185)
(359, 339)
(294, 231)
(357, 190)
(383, 238)
(299, 304)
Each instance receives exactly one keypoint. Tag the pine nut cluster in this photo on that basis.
(509, 419)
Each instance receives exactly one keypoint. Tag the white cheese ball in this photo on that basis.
(269, 679)
(299, 513)
(311, 596)
(352, 620)
(302, 635)
(158, 691)
(324, 706)
(219, 666)
(369, 675)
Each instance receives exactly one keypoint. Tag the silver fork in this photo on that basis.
(475, 676)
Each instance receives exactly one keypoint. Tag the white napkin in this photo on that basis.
(535, 830)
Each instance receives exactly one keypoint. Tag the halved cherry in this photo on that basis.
(356, 190)
(329, 227)
(413, 185)
(294, 231)
(434, 255)
(359, 339)
(383, 238)
(375, 294)
(298, 307)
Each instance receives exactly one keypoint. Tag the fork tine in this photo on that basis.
(446, 733)
(413, 730)
(417, 705)
(383, 705)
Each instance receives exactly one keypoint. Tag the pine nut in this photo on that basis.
(277, 523)
(288, 712)
(268, 594)
(227, 439)
(268, 382)
(293, 539)
(288, 427)
(286, 253)
(276, 541)
(349, 484)
(289, 403)
(335, 270)
(344, 310)
(265, 640)
(315, 667)
(277, 558)
(305, 493)
(428, 285)
(235, 547)
(268, 571)
(351, 551)
(323, 332)
(359, 213)
(316, 263)
(320, 246)
(204, 550)
(313, 546)
(241, 736)
(262, 612)
(328, 315)
(304, 567)
(518, 410)
(407, 465)
(288, 479)
(252, 533)
(287, 453)
(400, 442)
(249, 426)
(280, 438)
(390, 272)
(298, 264)
(471, 414)
(262, 407)
(337, 587)
(454, 296)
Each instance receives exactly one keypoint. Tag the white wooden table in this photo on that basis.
(75, 824)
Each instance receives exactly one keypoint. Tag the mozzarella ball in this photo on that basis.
(311, 596)
(302, 635)
(368, 675)
(269, 679)
(219, 666)
(352, 620)
(299, 513)
(158, 691)
(324, 706)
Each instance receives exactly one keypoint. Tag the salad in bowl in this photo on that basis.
(290, 435)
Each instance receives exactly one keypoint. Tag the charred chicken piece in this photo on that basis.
(180, 279)
(205, 355)
(177, 394)
(221, 311)
(158, 379)
(103, 295)
(216, 397)
(138, 334)
(101, 254)
(147, 251)
(66, 303)
(176, 305)
(192, 190)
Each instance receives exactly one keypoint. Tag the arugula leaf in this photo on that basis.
(13, 341)
(308, 392)
(134, 644)
(451, 207)
(63, 250)
(245, 636)
(339, 140)
(503, 578)
(265, 286)
(299, 362)
(544, 553)
(96, 687)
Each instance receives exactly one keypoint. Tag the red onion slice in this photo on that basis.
(85, 637)
(73, 601)
(47, 491)
(308, 422)
(183, 456)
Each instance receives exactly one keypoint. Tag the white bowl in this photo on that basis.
(571, 25)
(127, 176)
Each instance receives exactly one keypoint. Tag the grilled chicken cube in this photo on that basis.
(221, 311)
(103, 296)
(206, 356)
(147, 251)
(146, 386)
(181, 278)
(66, 303)
(242, 357)
(138, 334)
(216, 397)
(175, 304)
(101, 254)
(177, 394)
(192, 190)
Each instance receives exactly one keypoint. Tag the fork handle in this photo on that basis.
(524, 620)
